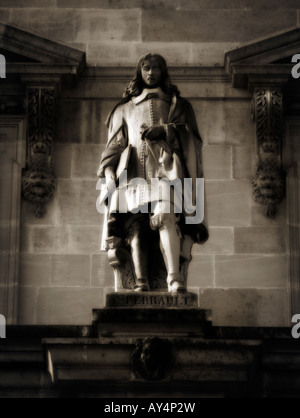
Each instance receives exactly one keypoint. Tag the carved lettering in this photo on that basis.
(152, 300)
(157, 300)
(161, 301)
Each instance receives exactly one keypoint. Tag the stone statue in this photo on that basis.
(153, 142)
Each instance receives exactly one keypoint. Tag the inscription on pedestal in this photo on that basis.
(151, 300)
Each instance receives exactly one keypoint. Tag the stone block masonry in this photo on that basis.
(60, 253)
(251, 271)
(241, 272)
(257, 240)
(255, 307)
(201, 24)
(186, 32)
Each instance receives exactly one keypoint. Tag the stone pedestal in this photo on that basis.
(149, 314)
(152, 345)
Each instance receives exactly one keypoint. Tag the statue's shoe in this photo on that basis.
(175, 283)
(176, 286)
(141, 285)
(141, 288)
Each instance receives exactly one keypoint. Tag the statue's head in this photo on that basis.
(152, 69)
(151, 72)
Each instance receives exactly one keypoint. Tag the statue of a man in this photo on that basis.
(153, 134)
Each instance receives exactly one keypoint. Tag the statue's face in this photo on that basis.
(151, 73)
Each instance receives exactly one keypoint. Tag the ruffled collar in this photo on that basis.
(147, 93)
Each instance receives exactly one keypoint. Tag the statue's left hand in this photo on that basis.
(154, 132)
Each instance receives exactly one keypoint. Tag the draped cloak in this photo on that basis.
(175, 155)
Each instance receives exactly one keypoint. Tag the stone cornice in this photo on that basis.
(246, 76)
(41, 69)
(266, 50)
(263, 60)
(47, 56)
(182, 73)
(37, 48)
(40, 65)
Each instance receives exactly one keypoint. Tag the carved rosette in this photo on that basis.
(38, 182)
(269, 181)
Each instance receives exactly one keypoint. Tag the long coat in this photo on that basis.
(177, 154)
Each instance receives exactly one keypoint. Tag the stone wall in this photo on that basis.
(117, 32)
(241, 272)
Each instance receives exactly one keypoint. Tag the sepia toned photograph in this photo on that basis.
(149, 201)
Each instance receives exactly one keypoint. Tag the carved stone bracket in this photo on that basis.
(40, 76)
(38, 182)
(264, 68)
(269, 181)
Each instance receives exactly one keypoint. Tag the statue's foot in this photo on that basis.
(140, 288)
(141, 285)
(176, 285)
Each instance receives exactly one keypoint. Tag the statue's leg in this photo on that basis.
(139, 251)
(170, 238)
(185, 256)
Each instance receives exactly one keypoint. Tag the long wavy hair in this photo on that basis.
(137, 85)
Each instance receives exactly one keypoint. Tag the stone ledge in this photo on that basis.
(121, 315)
(178, 73)
(140, 322)
(227, 362)
(27, 333)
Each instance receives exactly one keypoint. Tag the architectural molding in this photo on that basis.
(39, 50)
(12, 161)
(72, 362)
(269, 181)
(38, 182)
(264, 68)
(39, 65)
(183, 73)
(264, 59)
(292, 161)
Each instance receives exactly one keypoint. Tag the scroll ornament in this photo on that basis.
(38, 182)
(268, 183)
